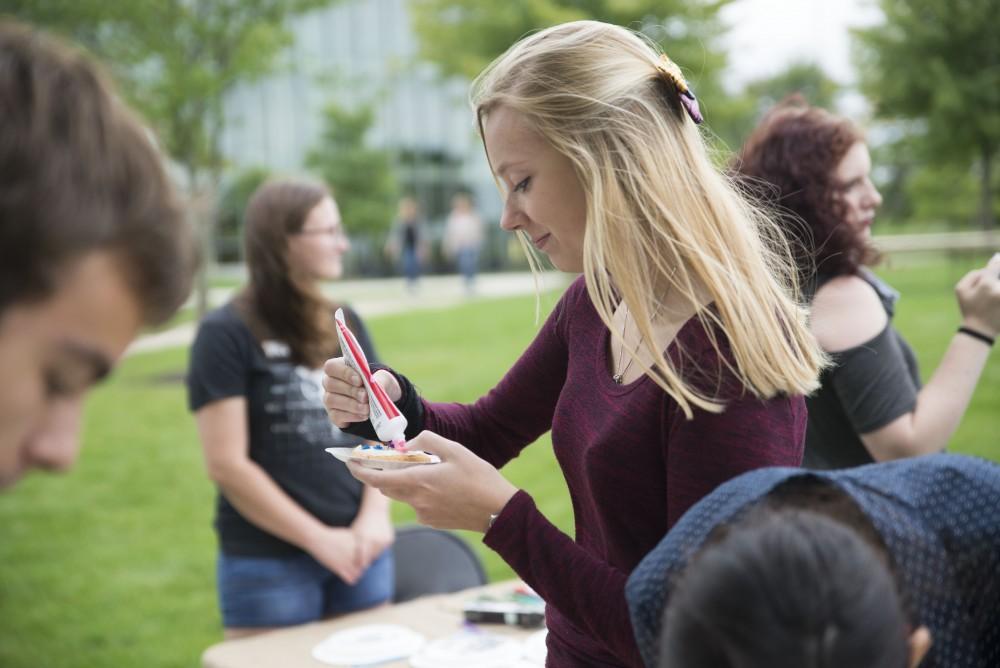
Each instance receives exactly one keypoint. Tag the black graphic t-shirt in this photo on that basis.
(287, 425)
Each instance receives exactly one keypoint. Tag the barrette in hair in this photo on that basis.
(672, 73)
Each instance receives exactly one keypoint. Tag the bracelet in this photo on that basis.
(988, 340)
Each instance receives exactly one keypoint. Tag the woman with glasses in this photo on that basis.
(300, 539)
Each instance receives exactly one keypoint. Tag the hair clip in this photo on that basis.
(672, 73)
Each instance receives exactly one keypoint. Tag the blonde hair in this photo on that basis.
(659, 214)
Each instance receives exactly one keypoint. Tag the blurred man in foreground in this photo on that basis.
(93, 243)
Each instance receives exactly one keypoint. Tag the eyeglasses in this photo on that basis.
(336, 231)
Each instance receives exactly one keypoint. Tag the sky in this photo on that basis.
(766, 36)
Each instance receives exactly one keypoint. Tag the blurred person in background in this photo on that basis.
(300, 539)
(93, 243)
(870, 406)
(407, 243)
(463, 238)
(676, 362)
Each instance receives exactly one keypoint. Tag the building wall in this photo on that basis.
(358, 52)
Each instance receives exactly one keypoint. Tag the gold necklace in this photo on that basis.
(621, 354)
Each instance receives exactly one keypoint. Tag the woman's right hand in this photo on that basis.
(979, 298)
(344, 394)
(336, 548)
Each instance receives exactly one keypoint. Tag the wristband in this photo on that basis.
(988, 340)
(409, 403)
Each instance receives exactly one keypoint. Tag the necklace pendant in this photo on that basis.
(617, 378)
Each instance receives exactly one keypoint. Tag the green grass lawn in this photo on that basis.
(927, 315)
(113, 565)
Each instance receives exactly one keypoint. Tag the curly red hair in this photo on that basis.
(789, 159)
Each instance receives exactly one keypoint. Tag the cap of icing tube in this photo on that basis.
(398, 444)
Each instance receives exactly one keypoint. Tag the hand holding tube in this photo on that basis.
(344, 394)
(389, 424)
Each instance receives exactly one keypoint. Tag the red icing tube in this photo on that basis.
(389, 423)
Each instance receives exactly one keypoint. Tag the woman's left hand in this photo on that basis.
(979, 298)
(459, 493)
(374, 533)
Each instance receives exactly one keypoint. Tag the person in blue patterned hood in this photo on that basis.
(887, 565)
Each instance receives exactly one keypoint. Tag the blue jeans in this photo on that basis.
(468, 262)
(284, 591)
(411, 265)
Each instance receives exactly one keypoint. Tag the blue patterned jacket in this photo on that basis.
(939, 516)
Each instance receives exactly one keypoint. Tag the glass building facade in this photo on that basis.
(363, 52)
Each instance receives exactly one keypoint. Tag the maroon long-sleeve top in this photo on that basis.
(633, 464)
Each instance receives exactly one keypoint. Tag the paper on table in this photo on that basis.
(469, 648)
(368, 644)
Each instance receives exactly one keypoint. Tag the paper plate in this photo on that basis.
(469, 648)
(345, 455)
(368, 644)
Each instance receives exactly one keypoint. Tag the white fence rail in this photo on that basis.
(939, 241)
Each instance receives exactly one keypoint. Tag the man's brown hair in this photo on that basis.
(79, 174)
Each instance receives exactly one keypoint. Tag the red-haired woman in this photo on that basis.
(871, 405)
(300, 538)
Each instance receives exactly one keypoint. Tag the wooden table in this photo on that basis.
(434, 616)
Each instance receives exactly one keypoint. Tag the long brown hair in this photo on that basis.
(790, 158)
(275, 306)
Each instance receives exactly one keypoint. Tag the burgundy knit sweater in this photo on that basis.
(633, 465)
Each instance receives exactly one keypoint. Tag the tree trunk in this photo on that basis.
(207, 261)
(202, 220)
(987, 220)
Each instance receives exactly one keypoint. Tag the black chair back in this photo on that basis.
(431, 561)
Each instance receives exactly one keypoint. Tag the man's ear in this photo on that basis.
(920, 644)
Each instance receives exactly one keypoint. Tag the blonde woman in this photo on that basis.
(675, 363)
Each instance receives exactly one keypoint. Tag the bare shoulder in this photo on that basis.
(846, 312)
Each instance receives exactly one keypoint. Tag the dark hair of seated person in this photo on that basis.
(801, 580)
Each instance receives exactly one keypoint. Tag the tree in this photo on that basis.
(231, 209)
(938, 61)
(759, 96)
(177, 61)
(806, 79)
(361, 176)
(463, 36)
